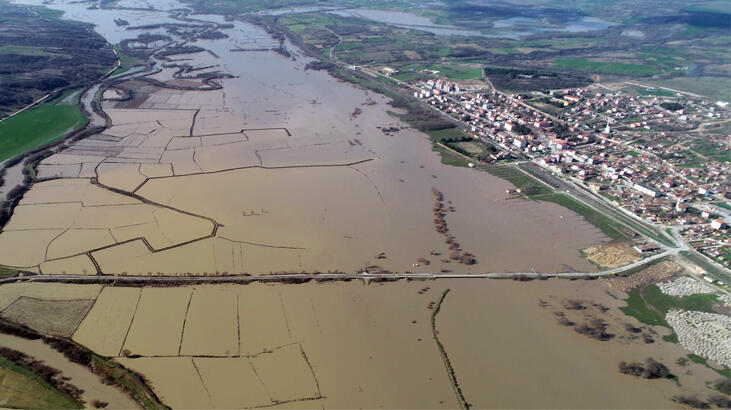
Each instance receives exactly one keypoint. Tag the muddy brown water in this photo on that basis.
(80, 376)
(294, 183)
(371, 346)
(347, 345)
(305, 186)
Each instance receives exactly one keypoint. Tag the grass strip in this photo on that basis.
(6, 272)
(111, 372)
(129, 381)
(706, 265)
(725, 372)
(35, 389)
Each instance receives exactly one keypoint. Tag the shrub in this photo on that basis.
(723, 385)
(652, 369)
(634, 368)
(692, 402)
(655, 369)
(721, 401)
(98, 404)
(596, 329)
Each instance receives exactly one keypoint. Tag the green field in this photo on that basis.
(119, 70)
(38, 126)
(725, 372)
(713, 151)
(472, 147)
(24, 51)
(529, 185)
(21, 388)
(583, 64)
(447, 133)
(124, 59)
(709, 87)
(7, 272)
(645, 91)
(649, 305)
(448, 71)
(448, 157)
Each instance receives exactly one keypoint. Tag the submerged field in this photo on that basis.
(338, 344)
(278, 168)
(283, 169)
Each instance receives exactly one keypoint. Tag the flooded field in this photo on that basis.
(407, 20)
(341, 345)
(513, 27)
(269, 173)
(525, 26)
(260, 166)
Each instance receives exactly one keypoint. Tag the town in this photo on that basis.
(633, 151)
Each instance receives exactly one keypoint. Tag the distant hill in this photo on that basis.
(40, 53)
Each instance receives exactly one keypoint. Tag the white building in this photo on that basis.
(645, 190)
(717, 224)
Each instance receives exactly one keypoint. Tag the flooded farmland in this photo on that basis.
(234, 159)
(270, 172)
(341, 345)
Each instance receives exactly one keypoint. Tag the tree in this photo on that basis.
(655, 369)
(672, 106)
(634, 368)
(692, 402)
(723, 385)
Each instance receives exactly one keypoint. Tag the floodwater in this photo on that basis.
(514, 27)
(276, 172)
(13, 177)
(531, 361)
(80, 376)
(350, 345)
(406, 20)
(295, 10)
(104, 18)
(271, 173)
(633, 33)
(524, 26)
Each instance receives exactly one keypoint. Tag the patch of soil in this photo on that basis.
(612, 255)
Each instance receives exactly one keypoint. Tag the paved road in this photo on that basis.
(590, 199)
(326, 276)
(332, 49)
